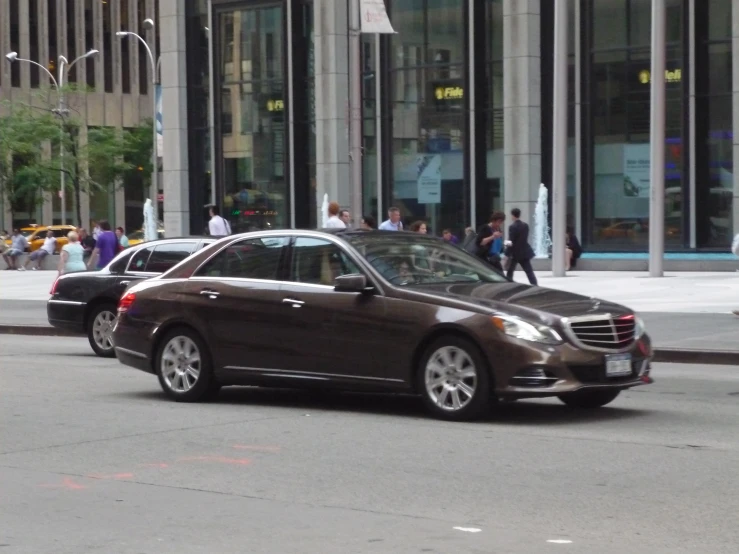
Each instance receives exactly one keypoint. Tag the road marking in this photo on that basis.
(219, 459)
(467, 529)
(559, 541)
(256, 448)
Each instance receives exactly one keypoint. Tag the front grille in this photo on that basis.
(609, 333)
(596, 374)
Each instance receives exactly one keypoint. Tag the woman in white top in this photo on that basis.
(72, 255)
(334, 222)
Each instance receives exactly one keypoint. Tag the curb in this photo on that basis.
(685, 356)
(36, 331)
(661, 355)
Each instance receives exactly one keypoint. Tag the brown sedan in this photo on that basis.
(374, 310)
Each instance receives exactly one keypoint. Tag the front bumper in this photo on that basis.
(554, 370)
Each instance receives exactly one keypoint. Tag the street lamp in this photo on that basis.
(148, 24)
(58, 83)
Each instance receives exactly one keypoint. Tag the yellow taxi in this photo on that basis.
(37, 237)
(25, 231)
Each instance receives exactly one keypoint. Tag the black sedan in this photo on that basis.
(377, 310)
(85, 302)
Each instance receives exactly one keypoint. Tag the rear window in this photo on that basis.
(166, 256)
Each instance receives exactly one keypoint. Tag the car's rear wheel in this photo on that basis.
(184, 368)
(100, 325)
(454, 379)
(590, 400)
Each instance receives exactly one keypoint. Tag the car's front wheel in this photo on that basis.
(589, 400)
(454, 379)
(100, 330)
(183, 366)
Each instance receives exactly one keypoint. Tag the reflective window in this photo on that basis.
(166, 256)
(428, 112)
(140, 259)
(247, 259)
(619, 120)
(252, 118)
(319, 262)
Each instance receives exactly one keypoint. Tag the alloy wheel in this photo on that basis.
(102, 329)
(180, 364)
(450, 378)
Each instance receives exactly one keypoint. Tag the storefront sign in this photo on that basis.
(636, 170)
(374, 17)
(671, 76)
(275, 105)
(429, 179)
(449, 93)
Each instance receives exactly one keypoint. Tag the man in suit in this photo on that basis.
(520, 251)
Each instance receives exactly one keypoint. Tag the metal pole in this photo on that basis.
(559, 141)
(378, 123)
(291, 113)
(355, 108)
(472, 122)
(62, 175)
(657, 142)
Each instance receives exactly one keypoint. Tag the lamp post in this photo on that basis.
(58, 84)
(148, 25)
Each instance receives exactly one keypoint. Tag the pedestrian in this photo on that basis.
(106, 247)
(392, 223)
(447, 235)
(4, 245)
(18, 245)
(346, 217)
(574, 248)
(72, 256)
(490, 241)
(519, 250)
(122, 239)
(218, 226)
(334, 222)
(419, 227)
(87, 243)
(368, 223)
(49, 247)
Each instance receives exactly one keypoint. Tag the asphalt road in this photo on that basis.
(93, 458)
(668, 330)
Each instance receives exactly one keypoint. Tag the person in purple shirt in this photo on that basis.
(106, 247)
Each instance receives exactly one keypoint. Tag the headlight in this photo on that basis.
(520, 329)
(639, 328)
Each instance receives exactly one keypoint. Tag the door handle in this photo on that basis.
(210, 293)
(295, 303)
(125, 283)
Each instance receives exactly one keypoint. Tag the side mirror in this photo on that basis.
(351, 283)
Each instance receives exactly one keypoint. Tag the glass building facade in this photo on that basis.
(457, 115)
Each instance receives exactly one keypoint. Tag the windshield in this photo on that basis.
(412, 259)
(27, 232)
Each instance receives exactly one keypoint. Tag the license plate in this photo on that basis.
(618, 365)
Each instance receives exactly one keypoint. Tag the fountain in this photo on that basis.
(542, 237)
(150, 224)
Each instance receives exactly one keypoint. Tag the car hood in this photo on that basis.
(524, 300)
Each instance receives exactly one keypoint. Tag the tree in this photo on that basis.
(23, 180)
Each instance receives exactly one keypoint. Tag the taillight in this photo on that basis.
(126, 301)
(53, 287)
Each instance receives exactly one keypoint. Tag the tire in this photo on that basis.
(100, 325)
(589, 400)
(454, 380)
(183, 367)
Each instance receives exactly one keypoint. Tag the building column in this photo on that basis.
(522, 105)
(174, 115)
(332, 95)
(735, 110)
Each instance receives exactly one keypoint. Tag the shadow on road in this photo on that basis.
(519, 413)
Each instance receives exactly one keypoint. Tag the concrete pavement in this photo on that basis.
(93, 458)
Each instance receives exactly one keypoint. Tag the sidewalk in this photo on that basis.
(681, 310)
